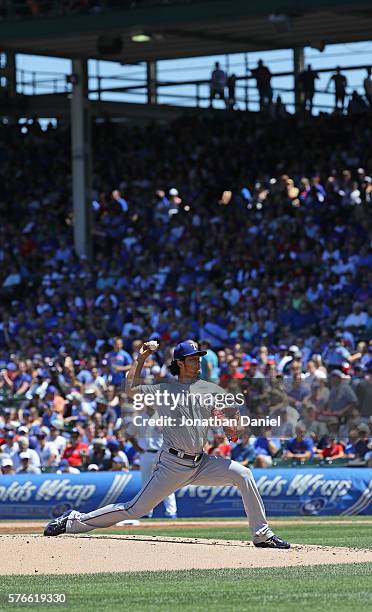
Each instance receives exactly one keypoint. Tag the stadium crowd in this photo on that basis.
(249, 235)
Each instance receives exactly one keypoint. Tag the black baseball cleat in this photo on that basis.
(58, 525)
(273, 542)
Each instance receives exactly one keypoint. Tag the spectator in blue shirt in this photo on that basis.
(119, 361)
(209, 363)
(363, 445)
(23, 380)
(350, 449)
(300, 447)
(244, 452)
(335, 353)
(117, 197)
(266, 448)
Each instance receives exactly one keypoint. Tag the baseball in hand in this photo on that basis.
(153, 345)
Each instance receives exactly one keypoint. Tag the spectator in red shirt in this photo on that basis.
(75, 450)
(220, 447)
(332, 449)
(233, 373)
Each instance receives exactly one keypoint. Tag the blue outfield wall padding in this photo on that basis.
(286, 492)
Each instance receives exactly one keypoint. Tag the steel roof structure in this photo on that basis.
(186, 29)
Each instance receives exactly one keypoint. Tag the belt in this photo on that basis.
(183, 455)
(151, 450)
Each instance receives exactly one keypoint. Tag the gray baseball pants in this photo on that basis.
(171, 473)
(148, 462)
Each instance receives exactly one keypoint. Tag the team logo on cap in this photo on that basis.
(193, 344)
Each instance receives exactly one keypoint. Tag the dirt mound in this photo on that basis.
(35, 554)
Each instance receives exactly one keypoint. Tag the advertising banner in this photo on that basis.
(286, 492)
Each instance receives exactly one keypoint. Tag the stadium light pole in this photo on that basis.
(152, 94)
(11, 72)
(246, 90)
(298, 66)
(81, 159)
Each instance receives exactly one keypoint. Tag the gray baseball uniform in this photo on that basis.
(173, 472)
(150, 439)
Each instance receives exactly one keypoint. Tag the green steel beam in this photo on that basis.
(162, 15)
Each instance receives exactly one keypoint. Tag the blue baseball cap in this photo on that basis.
(113, 445)
(186, 349)
(43, 373)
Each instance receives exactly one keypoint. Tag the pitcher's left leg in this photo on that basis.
(219, 471)
(147, 463)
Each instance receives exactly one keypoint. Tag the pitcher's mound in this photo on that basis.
(34, 554)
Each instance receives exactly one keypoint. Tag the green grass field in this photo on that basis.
(340, 587)
(337, 588)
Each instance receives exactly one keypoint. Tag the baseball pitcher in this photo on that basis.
(186, 405)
